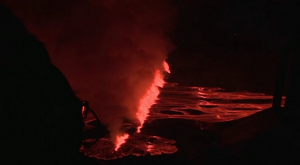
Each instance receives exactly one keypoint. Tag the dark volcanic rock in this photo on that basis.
(170, 112)
(193, 112)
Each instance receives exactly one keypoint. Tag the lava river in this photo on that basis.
(202, 104)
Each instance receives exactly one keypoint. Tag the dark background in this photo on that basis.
(232, 44)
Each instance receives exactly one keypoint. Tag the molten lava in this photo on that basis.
(151, 96)
(146, 102)
(166, 67)
(120, 140)
(149, 99)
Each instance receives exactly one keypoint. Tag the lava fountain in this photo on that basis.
(146, 102)
(149, 98)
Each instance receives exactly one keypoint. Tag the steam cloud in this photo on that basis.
(108, 49)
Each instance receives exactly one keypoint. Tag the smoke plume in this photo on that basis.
(109, 50)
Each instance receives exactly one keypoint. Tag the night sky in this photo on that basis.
(232, 44)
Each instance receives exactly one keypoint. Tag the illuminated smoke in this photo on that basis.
(111, 51)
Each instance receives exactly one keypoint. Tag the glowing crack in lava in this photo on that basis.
(145, 103)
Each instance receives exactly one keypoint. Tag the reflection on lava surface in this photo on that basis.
(193, 103)
(206, 104)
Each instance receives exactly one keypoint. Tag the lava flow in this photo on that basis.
(146, 102)
(150, 97)
(120, 140)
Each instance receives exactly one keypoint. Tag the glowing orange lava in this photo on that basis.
(120, 140)
(166, 67)
(151, 96)
(146, 102)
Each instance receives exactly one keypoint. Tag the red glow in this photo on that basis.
(146, 102)
(150, 97)
(120, 140)
(166, 67)
(83, 110)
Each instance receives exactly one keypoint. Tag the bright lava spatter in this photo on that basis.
(166, 67)
(146, 102)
